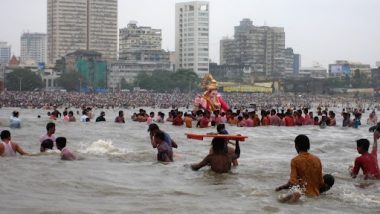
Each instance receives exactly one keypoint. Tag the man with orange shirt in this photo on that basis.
(306, 170)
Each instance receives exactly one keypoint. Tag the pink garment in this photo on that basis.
(66, 154)
(275, 120)
(249, 122)
(149, 120)
(45, 137)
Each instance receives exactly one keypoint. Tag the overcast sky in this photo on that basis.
(320, 30)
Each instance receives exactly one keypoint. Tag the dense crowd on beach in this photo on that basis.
(174, 100)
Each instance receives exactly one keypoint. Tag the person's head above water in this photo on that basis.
(362, 145)
(329, 180)
(46, 144)
(153, 127)
(302, 143)
(50, 127)
(60, 142)
(218, 145)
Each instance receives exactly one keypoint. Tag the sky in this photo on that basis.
(322, 31)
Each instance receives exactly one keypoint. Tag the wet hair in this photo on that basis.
(71, 112)
(302, 143)
(5, 134)
(363, 143)
(46, 144)
(218, 144)
(160, 135)
(329, 180)
(220, 127)
(50, 125)
(15, 114)
(60, 142)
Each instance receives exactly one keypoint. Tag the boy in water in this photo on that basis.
(220, 160)
(367, 161)
(165, 152)
(66, 154)
(306, 171)
(9, 148)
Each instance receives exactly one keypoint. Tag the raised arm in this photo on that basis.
(174, 144)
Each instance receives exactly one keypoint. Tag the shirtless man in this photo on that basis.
(7, 147)
(220, 161)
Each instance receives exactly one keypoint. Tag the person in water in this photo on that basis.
(101, 117)
(66, 154)
(50, 128)
(46, 145)
(367, 162)
(9, 148)
(153, 129)
(14, 121)
(165, 151)
(306, 170)
(220, 160)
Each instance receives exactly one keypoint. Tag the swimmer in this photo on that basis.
(66, 154)
(50, 128)
(306, 169)
(15, 121)
(295, 192)
(165, 152)
(153, 129)
(221, 129)
(220, 160)
(9, 148)
(367, 161)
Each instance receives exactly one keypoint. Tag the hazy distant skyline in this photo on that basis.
(321, 31)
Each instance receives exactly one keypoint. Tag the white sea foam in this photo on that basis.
(103, 147)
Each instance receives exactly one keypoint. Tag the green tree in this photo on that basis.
(71, 81)
(124, 84)
(359, 80)
(23, 80)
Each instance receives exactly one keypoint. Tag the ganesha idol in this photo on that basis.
(211, 100)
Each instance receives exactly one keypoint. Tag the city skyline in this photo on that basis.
(322, 31)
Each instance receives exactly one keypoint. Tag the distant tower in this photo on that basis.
(192, 36)
(81, 25)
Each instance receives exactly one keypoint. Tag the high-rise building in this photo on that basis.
(33, 48)
(5, 53)
(192, 36)
(140, 43)
(81, 25)
(377, 64)
(297, 63)
(260, 47)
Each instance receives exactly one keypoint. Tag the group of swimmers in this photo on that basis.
(8, 148)
(306, 168)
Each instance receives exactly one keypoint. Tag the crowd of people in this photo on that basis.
(45, 99)
(250, 110)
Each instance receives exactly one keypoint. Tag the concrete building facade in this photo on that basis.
(192, 36)
(81, 25)
(5, 53)
(260, 47)
(33, 48)
(345, 67)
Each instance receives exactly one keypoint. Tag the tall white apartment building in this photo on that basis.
(33, 48)
(82, 25)
(192, 36)
(5, 53)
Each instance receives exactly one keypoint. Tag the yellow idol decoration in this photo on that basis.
(210, 100)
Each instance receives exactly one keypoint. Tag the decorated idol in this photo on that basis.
(211, 100)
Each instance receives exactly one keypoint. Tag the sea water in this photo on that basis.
(119, 173)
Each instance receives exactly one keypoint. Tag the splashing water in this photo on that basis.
(103, 147)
